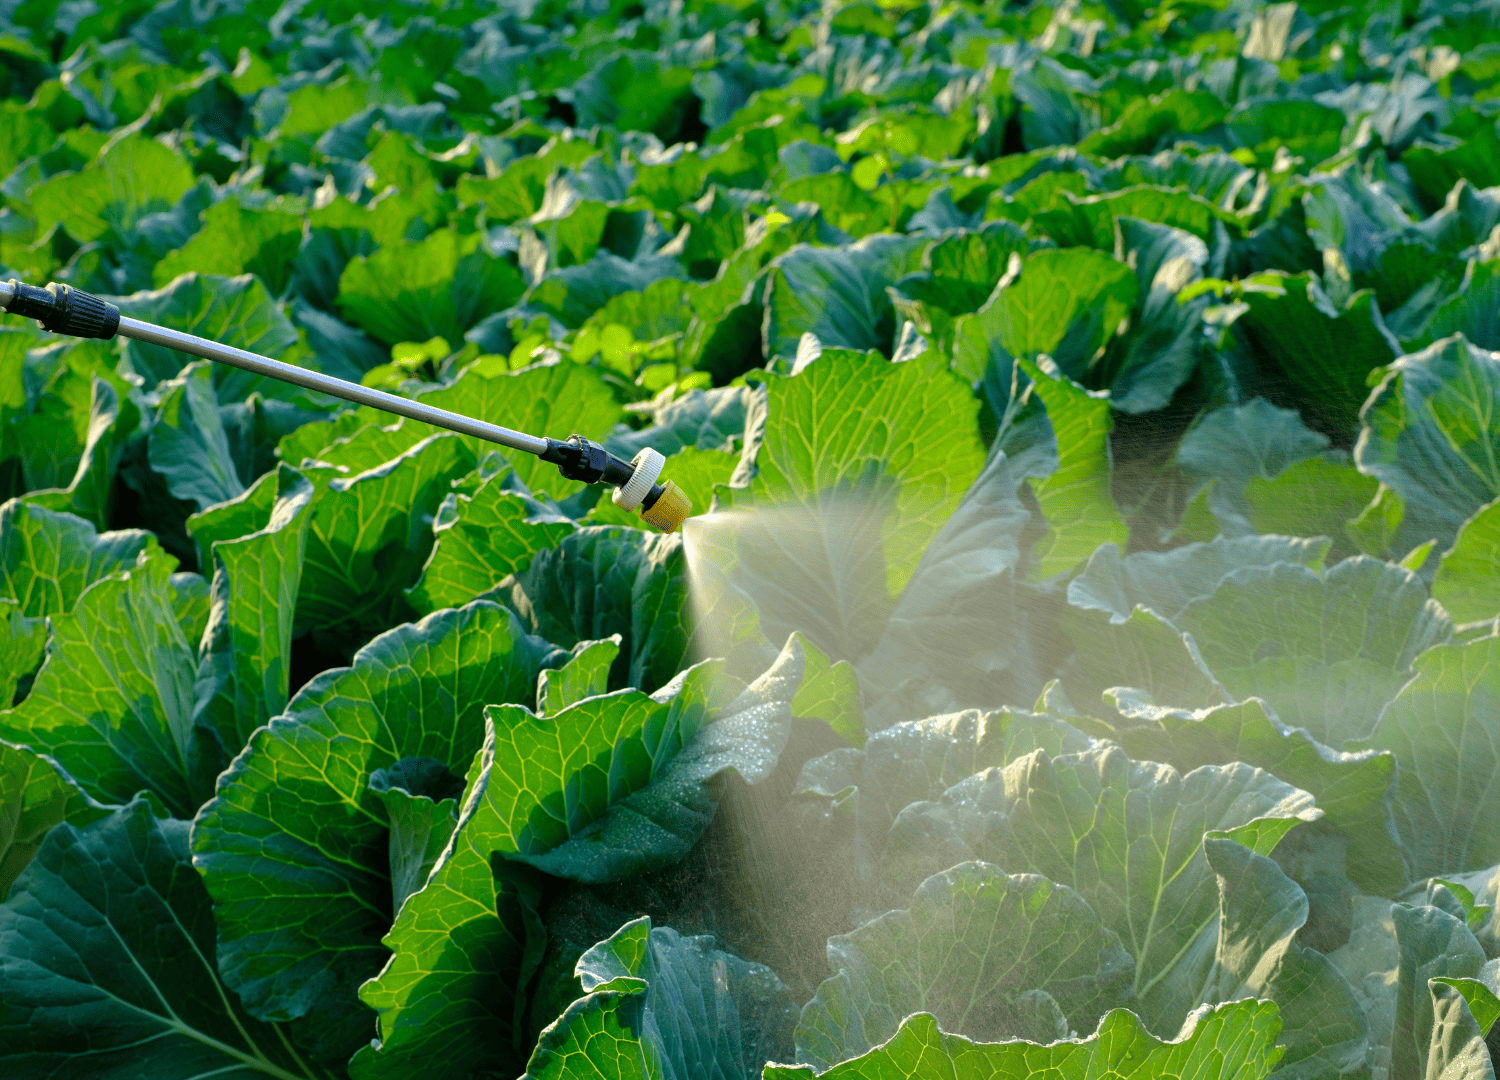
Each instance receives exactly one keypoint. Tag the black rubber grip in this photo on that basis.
(62, 309)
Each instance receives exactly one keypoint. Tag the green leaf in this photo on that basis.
(1430, 433)
(601, 581)
(1366, 226)
(110, 932)
(1305, 128)
(1315, 497)
(192, 603)
(113, 702)
(857, 467)
(13, 398)
(658, 823)
(452, 984)
(837, 293)
(1475, 157)
(1442, 727)
(295, 846)
(235, 240)
(973, 941)
(245, 660)
(481, 538)
(248, 513)
(107, 199)
(187, 444)
(366, 442)
(660, 1006)
(438, 287)
(1472, 311)
(1238, 442)
(657, 311)
(342, 351)
(421, 822)
(25, 641)
(966, 266)
(1217, 176)
(1326, 652)
(1325, 351)
(698, 419)
(26, 132)
(1167, 581)
(1369, 960)
(911, 761)
(369, 533)
(559, 399)
(305, 442)
(1434, 944)
(1258, 955)
(569, 225)
(1479, 994)
(48, 559)
(572, 294)
(853, 209)
(1089, 220)
(398, 162)
(1145, 651)
(1377, 528)
(342, 230)
(1223, 1042)
(1127, 835)
(1075, 496)
(1066, 304)
(111, 420)
(312, 109)
(1350, 788)
(35, 795)
(634, 91)
(1148, 121)
(1465, 220)
(1164, 348)
(66, 441)
(232, 311)
(519, 189)
(1465, 582)
(48, 443)
(830, 692)
(1458, 1046)
(943, 647)
(585, 674)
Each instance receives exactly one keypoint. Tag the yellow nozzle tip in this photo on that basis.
(670, 509)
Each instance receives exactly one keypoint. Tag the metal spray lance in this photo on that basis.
(62, 309)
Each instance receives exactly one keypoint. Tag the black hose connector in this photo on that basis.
(62, 309)
(582, 459)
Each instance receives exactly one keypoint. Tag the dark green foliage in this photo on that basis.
(1081, 659)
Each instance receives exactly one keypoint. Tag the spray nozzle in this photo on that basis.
(662, 506)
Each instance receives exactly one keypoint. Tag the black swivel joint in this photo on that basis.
(581, 459)
(62, 309)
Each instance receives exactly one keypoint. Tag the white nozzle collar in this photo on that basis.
(648, 466)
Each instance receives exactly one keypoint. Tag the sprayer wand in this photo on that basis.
(62, 309)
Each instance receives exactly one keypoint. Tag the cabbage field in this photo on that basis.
(1084, 659)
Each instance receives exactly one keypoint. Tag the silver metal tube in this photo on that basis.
(7, 293)
(325, 384)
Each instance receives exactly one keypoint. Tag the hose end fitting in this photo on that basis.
(62, 309)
